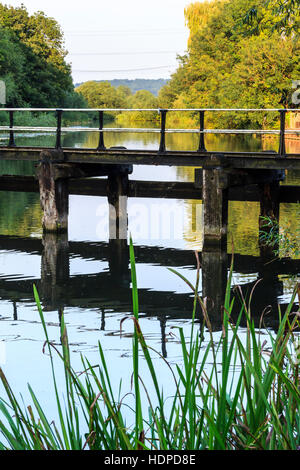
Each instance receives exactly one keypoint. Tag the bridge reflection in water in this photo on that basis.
(111, 290)
(224, 176)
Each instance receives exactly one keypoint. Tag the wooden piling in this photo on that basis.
(117, 194)
(55, 269)
(118, 260)
(54, 193)
(215, 211)
(214, 263)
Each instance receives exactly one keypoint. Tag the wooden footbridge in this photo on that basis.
(222, 176)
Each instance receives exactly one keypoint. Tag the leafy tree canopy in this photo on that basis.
(103, 94)
(230, 63)
(32, 60)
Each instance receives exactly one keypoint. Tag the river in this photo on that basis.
(95, 295)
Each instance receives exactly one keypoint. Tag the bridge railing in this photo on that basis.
(162, 130)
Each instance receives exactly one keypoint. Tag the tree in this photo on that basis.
(40, 33)
(101, 95)
(12, 63)
(279, 15)
(124, 93)
(230, 63)
(32, 59)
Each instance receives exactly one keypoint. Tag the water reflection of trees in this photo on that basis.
(176, 141)
(20, 214)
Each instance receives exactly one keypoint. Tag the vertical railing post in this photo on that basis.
(11, 132)
(282, 150)
(58, 130)
(163, 115)
(101, 145)
(201, 147)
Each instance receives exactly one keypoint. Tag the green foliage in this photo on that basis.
(229, 393)
(152, 85)
(142, 99)
(231, 63)
(285, 243)
(104, 95)
(279, 15)
(32, 60)
(40, 33)
(12, 65)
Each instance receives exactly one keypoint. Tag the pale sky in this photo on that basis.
(109, 39)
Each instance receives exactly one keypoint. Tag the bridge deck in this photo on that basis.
(245, 160)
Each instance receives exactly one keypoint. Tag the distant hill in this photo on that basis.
(137, 84)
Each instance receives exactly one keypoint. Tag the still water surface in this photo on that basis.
(94, 290)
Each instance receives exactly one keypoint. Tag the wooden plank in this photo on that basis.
(147, 189)
(164, 189)
(246, 160)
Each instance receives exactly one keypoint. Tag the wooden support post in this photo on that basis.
(15, 311)
(102, 327)
(282, 149)
(118, 260)
(101, 145)
(55, 269)
(214, 281)
(201, 147)
(54, 194)
(117, 192)
(163, 116)
(163, 323)
(269, 219)
(11, 132)
(215, 201)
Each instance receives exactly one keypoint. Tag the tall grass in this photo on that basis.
(249, 397)
(284, 241)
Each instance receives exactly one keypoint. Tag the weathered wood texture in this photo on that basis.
(117, 191)
(148, 189)
(215, 199)
(54, 197)
(55, 267)
(247, 160)
(214, 280)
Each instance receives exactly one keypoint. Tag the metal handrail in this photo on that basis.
(292, 110)
(150, 130)
(59, 129)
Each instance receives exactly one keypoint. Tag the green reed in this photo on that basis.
(285, 243)
(249, 398)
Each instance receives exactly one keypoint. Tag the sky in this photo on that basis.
(109, 39)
